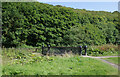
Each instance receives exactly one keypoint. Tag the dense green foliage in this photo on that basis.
(34, 24)
(103, 50)
(0, 24)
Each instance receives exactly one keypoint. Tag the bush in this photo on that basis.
(35, 24)
(103, 50)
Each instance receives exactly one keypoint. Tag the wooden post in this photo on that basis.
(118, 49)
(42, 49)
(80, 53)
(86, 50)
(48, 52)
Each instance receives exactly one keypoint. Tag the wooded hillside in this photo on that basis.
(35, 23)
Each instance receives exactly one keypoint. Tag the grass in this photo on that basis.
(0, 70)
(105, 54)
(113, 60)
(72, 65)
(24, 62)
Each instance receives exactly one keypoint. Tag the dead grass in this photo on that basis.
(107, 47)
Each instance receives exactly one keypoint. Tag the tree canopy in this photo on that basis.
(35, 23)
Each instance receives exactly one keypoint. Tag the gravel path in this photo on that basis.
(100, 58)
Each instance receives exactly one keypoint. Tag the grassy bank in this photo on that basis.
(24, 62)
(74, 65)
(0, 70)
(113, 60)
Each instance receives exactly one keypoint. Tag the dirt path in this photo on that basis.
(100, 58)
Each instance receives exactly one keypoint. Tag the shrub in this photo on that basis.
(108, 49)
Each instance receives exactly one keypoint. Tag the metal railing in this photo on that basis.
(62, 50)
